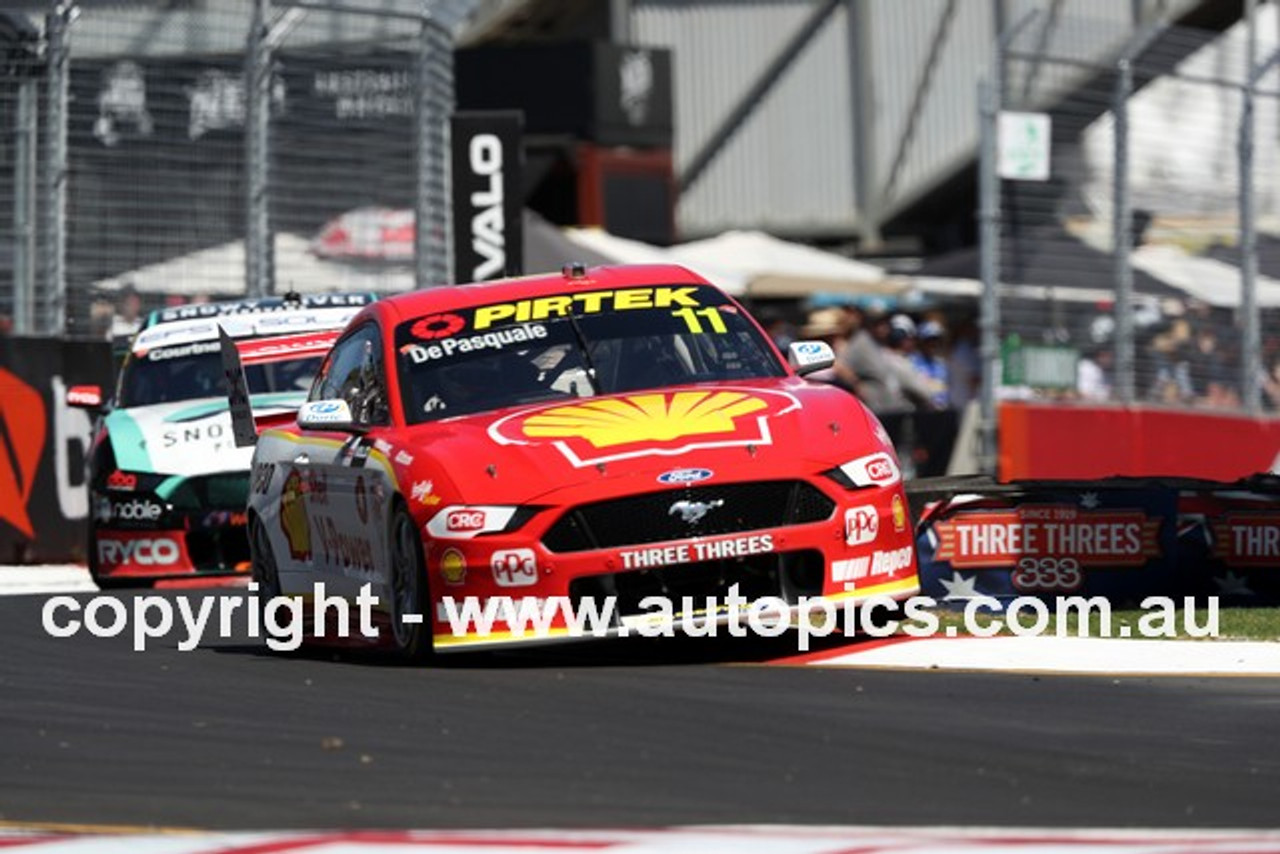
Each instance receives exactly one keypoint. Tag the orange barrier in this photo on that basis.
(1044, 442)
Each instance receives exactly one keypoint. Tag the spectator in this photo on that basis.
(1093, 375)
(780, 331)
(860, 365)
(128, 316)
(914, 389)
(964, 365)
(1172, 355)
(828, 325)
(930, 363)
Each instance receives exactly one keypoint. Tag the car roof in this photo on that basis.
(449, 297)
(249, 317)
(256, 305)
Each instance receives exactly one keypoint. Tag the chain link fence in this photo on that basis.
(236, 148)
(1124, 206)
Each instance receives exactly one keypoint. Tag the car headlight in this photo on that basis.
(464, 521)
(878, 469)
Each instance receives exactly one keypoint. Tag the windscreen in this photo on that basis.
(575, 345)
(193, 371)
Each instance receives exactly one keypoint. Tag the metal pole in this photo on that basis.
(1122, 234)
(989, 265)
(258, 250)
(620, 21)
(24, 208)
(57, 24)
(1122, 217)
(990, 99)
(1251, 367)
(433, 240)
(864, 127)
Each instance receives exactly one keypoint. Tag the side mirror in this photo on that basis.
(326, 415)
(806, 357)
(85, 396)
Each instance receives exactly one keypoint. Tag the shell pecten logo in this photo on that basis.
(670, 423)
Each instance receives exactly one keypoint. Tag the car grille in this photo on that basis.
(656, 516)
(790, 576)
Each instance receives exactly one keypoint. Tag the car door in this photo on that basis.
(348, 484)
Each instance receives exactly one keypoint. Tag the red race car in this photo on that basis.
(608, 436)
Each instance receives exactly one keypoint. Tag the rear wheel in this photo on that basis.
(412, 640)
(105, 582)
(263, 561)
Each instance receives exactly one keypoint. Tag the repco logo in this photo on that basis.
(465, 520)
(161, 552)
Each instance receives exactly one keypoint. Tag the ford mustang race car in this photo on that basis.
(610, 433)
(167, 485)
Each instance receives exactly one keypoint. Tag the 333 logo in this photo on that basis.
(1047, 575)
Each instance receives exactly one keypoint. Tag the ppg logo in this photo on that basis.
(861, 525)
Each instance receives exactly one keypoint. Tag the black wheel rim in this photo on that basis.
(404, 579)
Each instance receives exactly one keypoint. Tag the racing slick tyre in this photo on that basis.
(411, 641)
(91, 557)
(263, 562)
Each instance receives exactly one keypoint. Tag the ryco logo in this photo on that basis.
(159, 552)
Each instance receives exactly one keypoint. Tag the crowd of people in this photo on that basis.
(896, 362)
(892, 361)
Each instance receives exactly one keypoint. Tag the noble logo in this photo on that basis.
(22, 434)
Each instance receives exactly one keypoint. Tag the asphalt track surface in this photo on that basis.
(636, 734)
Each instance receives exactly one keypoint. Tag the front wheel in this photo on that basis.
(408, 589)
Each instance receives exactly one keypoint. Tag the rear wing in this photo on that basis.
(258, 351)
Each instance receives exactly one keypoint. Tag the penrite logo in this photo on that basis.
(22, 433)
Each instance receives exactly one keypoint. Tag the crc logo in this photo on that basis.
(138, 510)
(677, 476)
(157, 552)
(861, 525)
(465, 520)
(692, 512)
(881, 470)
(514, 568)
(873, 470)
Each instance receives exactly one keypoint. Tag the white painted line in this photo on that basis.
(45, 579)
(749, 839)
(1048, 654)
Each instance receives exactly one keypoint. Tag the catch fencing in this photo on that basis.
(1130, 217)
(235, 148)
